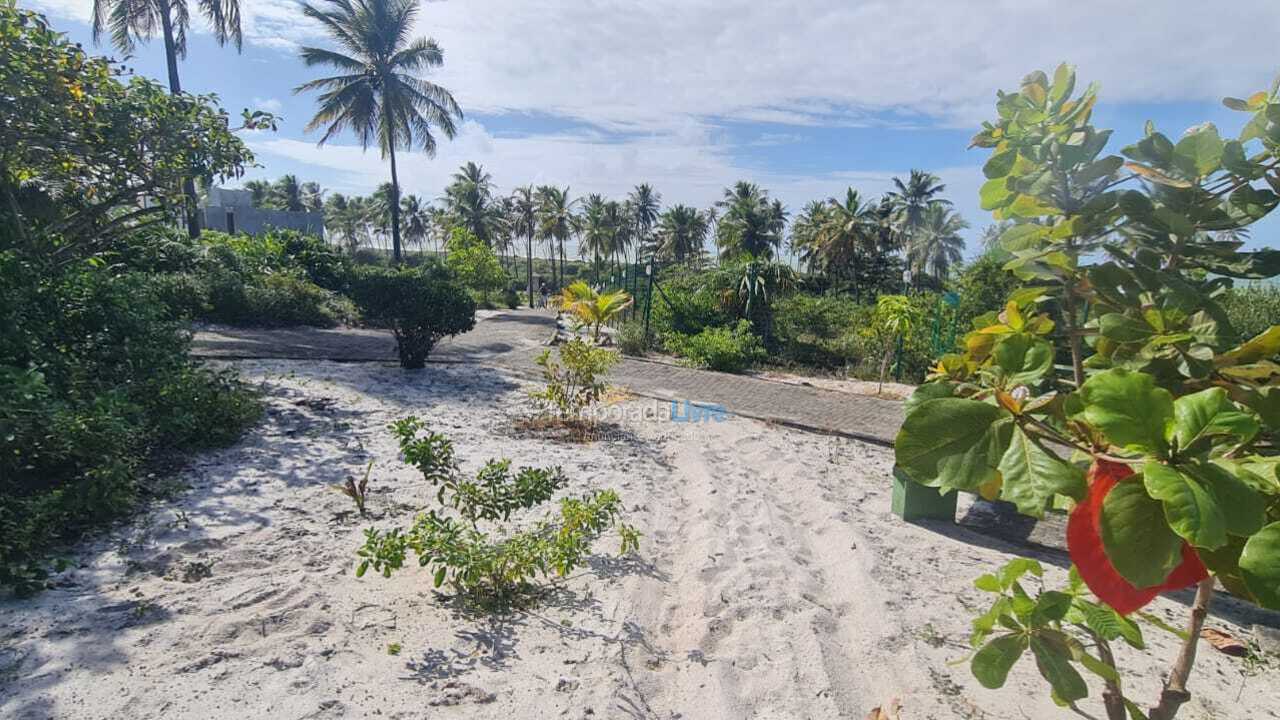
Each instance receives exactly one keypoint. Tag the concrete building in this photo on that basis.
(232, 211)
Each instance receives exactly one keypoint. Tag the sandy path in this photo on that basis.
(773, 583)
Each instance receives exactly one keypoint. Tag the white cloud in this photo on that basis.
(627, 65)
(272, 105)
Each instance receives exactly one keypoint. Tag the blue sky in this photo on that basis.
(803, 98)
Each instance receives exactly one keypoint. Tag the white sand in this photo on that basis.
(774, 584)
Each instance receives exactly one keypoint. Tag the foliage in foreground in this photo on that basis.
(1172, 413)
(471, 543)
(576, 382)
(96, 386)
(419, 307)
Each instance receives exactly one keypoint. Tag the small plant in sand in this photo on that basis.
(357, 491)
(575, 383)
(590, 308)
(476, 548)
(1172, 414)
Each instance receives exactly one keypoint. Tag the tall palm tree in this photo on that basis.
(469, 198)
(341, 221)
(259, 192)
(286, 194)
(556, 222)
(682, 234)
(597, 237)
(524, 223)
(644, 203)
(752, 223)
(417, 223)
(620, 230)
(848, 234)
(805, 232)
(912, 198)
(134, 21)
(377, 94)
(936, 244)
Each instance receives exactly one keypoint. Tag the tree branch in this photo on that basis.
(1175, 690)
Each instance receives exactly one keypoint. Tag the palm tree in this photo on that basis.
(805, 233)
(597, 237)
(752, 224)
(555, 222)
(936, 244)
(286, 194)
(644, 204)
(378, 95)
(417, 222)
(912, 198)
(339, 218)
(259, 192)
(524, 223)
(682, 234)
(133, 21)
(469, 198)
(591, 307)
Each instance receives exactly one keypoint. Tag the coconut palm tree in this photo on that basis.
(132, 21)
(643, 205)
(470, 200)
(910, 199)
(751, 223)
(377, 94)
(286, 194)
(936, 245)
(259, 192)
(341, 221)
(591, 307)
(556, 222)
(805, 233)
(681, 234)
(524, 223)
(417, 222)
(597, 236)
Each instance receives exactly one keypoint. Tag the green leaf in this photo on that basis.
(1105, 167)
(1112, 625)
(953, 443)
(1013, 570)
(1210, 413)
(1199, 152)
(1243, 508)
(1191, 509)
(1064, 81)
(1054, 663)
(1097, 667)
(1129, 409)
(1136, 536)
(992, 663)
(1124, 329)
(1051, 606)
(438, 580)
(1033, 475)
(1260, 565)
(994, 193)
(999, 164)
(928, 391)
(1025, 359)
(1023, 236)
(1264, 345)
(988, 583)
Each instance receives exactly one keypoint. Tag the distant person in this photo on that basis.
(542, 302)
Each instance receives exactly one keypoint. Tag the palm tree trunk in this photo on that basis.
(562, 261)
(395, 201)
(529, 268)
(175, 87)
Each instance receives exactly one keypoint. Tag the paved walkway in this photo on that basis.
(511, 339)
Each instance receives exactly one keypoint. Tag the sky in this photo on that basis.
(804, 98)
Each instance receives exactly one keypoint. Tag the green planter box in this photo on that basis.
(913, 501)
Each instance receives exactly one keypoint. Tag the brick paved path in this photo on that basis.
(511, 339)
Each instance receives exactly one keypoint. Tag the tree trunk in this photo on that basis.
(562, 262)
(529, 268)
(394, 202)
(175, 87)
(1175, 690)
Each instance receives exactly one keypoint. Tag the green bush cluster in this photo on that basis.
(1252, 309)
(419, 305)
(279, 278)
(720, 348)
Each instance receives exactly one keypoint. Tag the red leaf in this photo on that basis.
(1084, 542)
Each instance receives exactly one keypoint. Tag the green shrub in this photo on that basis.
(630, 338)
(419, 309)
(818, 331)
(511, 298)
(720, 348)
(575, 383)
(493, 566)
(95, 381)
(1252, 309)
